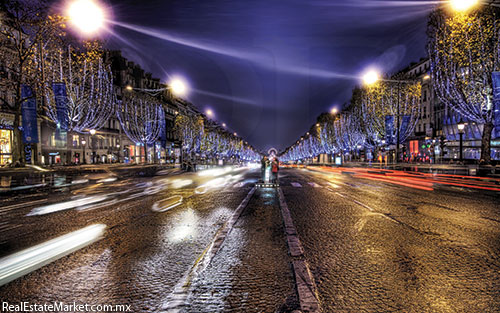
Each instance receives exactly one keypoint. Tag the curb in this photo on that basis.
(306, 288)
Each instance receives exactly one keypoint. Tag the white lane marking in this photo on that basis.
(296, 185)
(367, 207)
(360, 224)
(314, 185)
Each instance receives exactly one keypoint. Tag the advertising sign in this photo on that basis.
(496, 104)
(389, 129)
(28, 111)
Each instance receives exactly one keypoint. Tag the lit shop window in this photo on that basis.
(5, 146)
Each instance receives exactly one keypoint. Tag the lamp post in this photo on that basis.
(461, 128)
(92, 133)
(83, 146)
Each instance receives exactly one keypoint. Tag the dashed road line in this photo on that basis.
(296, 185)
(314, 185)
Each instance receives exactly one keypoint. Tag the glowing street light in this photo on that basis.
(371, 77)
(92, 132)
(209, 113)
(463, 5)
(129, 88)
(334, 111)
(86, 15)
(224, 125)
(178, 87)
(235, 134)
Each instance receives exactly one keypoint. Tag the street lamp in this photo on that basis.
(178, 87)
(461, 128)
(92, 133)
(224, 125)
(463, 5)
(209, 113)
(86, 15)
(334, 111)
(83, 145)
(371, 77)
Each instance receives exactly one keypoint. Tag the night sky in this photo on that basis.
(268, 68)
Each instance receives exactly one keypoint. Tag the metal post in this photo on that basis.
(461, 146)
(397, 129)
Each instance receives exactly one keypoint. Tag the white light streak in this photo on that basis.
(28, 260)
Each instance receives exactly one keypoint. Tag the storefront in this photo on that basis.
(5, 146)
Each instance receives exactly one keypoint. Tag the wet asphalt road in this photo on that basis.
(371, 246)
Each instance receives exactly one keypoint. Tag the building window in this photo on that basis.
(75, 140)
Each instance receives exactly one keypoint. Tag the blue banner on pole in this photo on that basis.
(405, 122)
(496, 104)
(389, 129)
(60, 97)
(28, 111)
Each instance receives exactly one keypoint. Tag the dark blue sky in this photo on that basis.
(268, 68)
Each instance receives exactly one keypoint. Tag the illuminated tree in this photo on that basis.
(347, 131)
(89, 86)
(190, 128)
(25, 29)
(141, 118)
(464, 51)
(387, 98)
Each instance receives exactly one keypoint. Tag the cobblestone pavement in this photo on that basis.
(251, 273)
(143, 254)
(375, 247)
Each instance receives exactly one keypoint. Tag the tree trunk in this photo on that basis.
(145, 145)
(486, 142)
(17, 144)
(69, 144)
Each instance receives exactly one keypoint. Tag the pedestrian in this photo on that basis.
(275, 170)
(263, 166)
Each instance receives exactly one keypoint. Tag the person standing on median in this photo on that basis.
(275, 170)
(263, 166)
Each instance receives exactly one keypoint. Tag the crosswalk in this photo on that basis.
(309, 184)
(293, 184)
